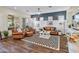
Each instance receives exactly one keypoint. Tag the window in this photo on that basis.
(10, 21)
(61, 17)
(50, 18)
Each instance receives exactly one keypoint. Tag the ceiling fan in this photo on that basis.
(50, 6)
(39, 11)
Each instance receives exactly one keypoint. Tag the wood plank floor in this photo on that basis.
(18, 46)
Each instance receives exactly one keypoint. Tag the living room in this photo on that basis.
(39, 29)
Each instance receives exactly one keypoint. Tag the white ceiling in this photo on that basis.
(34, 9)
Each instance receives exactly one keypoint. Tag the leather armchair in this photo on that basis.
(74, 38)
(29, 32)
(17, 35)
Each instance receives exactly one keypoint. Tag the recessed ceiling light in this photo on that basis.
(50, 6)
(27, 10)
(15, 8)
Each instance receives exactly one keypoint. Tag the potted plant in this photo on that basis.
(0, 36)
(70, 26)
(6, 34)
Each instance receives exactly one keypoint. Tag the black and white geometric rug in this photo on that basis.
(52, 43)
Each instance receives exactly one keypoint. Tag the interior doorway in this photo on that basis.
(24, 23)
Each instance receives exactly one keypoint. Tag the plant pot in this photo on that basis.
(5, 34)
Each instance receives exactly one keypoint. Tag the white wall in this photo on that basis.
(4, 12)
(3, 23)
